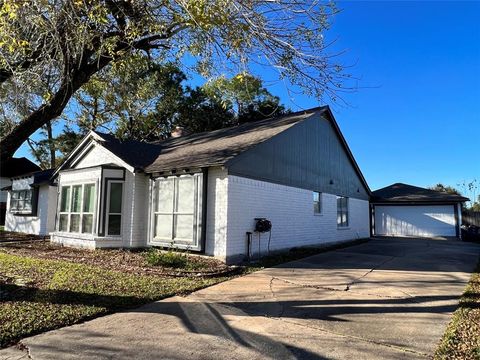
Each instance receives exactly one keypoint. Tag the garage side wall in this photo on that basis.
(290, 210)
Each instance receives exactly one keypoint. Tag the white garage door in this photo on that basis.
(424, 221)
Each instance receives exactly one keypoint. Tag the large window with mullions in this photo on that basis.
(177, 211)
(77, 208)
(23, 201)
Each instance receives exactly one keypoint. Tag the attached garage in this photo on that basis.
(406, 210)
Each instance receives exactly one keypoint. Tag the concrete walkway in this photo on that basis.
(385, 299)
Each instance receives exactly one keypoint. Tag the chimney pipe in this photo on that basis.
(178, 131)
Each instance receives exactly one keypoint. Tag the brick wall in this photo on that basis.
(217, 197)
(291, 212)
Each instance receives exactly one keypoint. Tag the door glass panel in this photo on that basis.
(184, 227)
(75, 223)
(163, 226)
(115, 198)
(114, 222)
(63, 223)
(64, 205)
(76, 198)
(88, 198)
(165, 195)
(185, 195)
(87, 223)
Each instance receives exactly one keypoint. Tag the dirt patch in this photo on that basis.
(117, 259)
(8, 237)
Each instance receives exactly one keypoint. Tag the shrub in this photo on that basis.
(169, 259)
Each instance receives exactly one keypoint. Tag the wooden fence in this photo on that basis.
(471, 218)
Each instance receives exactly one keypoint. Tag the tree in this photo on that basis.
(143, 100)
(69, 41)
(447, 189)
(246, 96)
(137, 99)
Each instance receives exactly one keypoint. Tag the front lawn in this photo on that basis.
(462, 338)
(42, 294)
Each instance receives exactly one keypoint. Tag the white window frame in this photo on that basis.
(69, 213)
(319, 201)
(15, 210)
(107, 208)
(346, 224)
(195, 243)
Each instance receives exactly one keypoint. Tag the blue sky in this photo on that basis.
(415, 118)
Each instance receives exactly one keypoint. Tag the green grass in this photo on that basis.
(174, 259)
(462, 337)
(37, 295)
(2, 228)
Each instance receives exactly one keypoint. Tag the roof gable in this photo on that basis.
(404, 193)
(312, 154)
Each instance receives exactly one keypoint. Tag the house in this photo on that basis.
(204, 192)
(32, 204)
(8, 169)
(406, 210)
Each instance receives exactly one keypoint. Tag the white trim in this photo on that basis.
(83, 148)
(196, 241)
(81, 213)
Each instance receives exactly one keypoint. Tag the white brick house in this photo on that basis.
(31, 204)
(204, 191)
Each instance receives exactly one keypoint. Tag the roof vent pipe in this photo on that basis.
(178, 131)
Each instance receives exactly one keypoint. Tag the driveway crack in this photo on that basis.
(358, 338)
(347, 288)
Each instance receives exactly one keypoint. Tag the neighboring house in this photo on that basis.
(32, 203)
(406, 210)
(203, 192)
(8, 169)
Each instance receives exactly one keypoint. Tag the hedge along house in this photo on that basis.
(204, 191)
(31, 204)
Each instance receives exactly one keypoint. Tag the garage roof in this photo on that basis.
(404, 193)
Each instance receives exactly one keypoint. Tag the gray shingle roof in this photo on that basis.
(404, 193)
(17, 166)
(203, 149)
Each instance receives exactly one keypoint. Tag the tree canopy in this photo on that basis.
(145, 101)
(50, 49)
(446, 188)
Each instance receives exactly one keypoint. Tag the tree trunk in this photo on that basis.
(10, 143)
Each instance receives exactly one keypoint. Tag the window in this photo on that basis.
(114, 212)
(177, 210)
(342, 211)
(77, 204)
(21, 202)
(317, 202)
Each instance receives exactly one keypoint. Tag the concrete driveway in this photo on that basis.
(385, 299)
